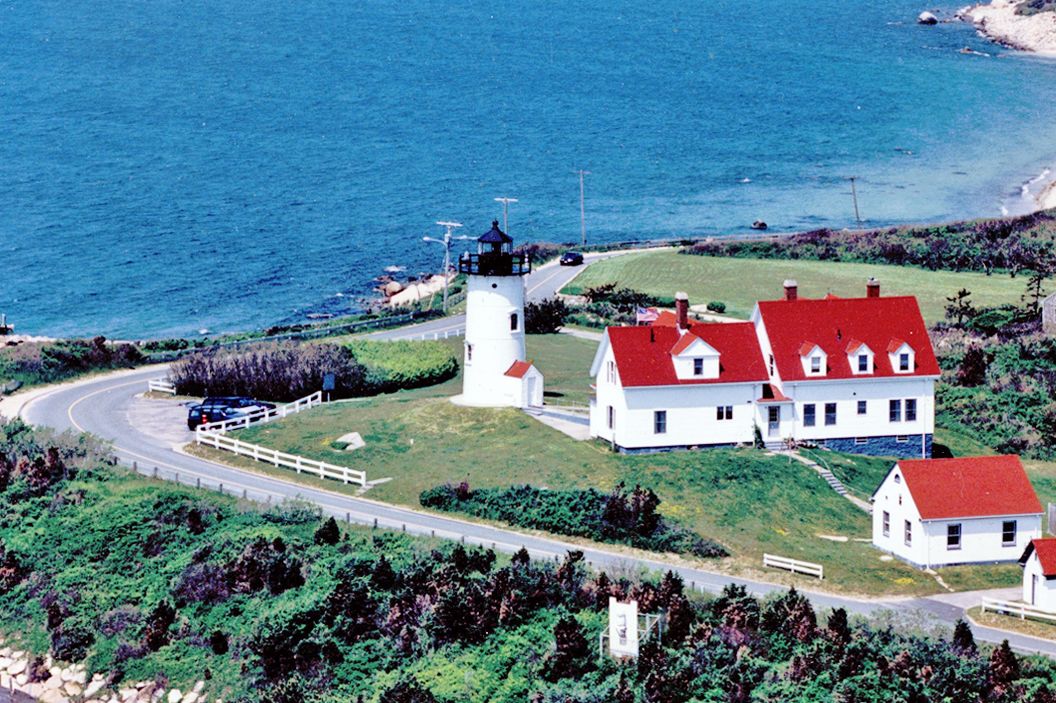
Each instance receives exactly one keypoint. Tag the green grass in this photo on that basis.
(741, 282)
(750, 502)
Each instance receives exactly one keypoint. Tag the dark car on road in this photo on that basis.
(571, 258)
(217, 409)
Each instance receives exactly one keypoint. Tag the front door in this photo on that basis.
(773, 425)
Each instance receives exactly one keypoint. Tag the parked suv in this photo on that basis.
(217, 409)
(571, 258)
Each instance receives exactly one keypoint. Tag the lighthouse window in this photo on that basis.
(469, 352)
(513, 322)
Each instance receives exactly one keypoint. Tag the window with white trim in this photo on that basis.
(830, 413)
(815, 364)
(610, 374)
(809, 417)
(1008, 533)
(911, 409)
(514, 321)
(953, 536)
(863, 363)
(862, 407)
(894, 410)
(698, 367)
(724, 412)
(611, 416)
(908, 536)
(659, 422)
(886, 525)
(903, 362)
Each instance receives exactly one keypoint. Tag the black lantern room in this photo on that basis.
(494, 256)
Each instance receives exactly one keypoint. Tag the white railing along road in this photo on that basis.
(1020, 610)
(161, 385)
(213, 434)
(794, 565)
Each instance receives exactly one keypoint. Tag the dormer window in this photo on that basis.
(813, 358)
(698, 367)
(694, 359)
(863, 363)
(859, 357)
(815, 364)
(901, 356)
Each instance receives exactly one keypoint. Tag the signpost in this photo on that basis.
(329, 383)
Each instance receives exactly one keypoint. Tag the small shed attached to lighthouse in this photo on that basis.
(495, 370)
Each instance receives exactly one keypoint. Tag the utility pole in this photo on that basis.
(446, 242)
(506, 212)
(854, 196)
(582, 209)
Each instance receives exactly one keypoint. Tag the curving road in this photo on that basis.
(107, 407)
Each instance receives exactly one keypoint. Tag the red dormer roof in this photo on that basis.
(683, 344)
(1046, 550)
(967, 487)
(895, 345)
(854, 345)
(643, 354)
(833, 323)
(518, 369)
(806, 348)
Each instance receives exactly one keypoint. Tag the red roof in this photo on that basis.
(1046, 549)
(518, 369)
(977, 486)
(666, 318)
(772, 394)
(643, 354)
(793, 325)
(684, 343)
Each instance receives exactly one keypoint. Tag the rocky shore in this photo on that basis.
(999, 21)
(51, 682)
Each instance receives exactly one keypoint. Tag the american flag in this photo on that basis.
(646, 315)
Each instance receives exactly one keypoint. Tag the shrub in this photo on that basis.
(391, 366)
(620, 516)
(716, 306)
(545, 317)
(277, 372)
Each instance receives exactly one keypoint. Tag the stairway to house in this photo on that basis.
(829, 478)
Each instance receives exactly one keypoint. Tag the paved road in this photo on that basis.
(107, 407)
(541, 283)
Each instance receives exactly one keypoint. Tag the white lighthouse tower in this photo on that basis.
(495, 372)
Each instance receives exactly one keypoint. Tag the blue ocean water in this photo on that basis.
(176, 165)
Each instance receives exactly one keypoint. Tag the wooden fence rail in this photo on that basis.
(282, 459)
(794, 565)
(1020, 610)
(213, 434)
(161, 385)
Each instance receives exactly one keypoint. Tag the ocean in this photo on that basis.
(167, 167)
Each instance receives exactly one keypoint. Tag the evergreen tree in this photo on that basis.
(1003, 671)
(328, 532)
(571, 655)
(963, 642)
(407, 691)
(838, 630)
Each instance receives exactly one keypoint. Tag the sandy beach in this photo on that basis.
(998, 21)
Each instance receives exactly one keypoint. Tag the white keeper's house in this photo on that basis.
(851, 374)
(1039, 573)
(968, 510)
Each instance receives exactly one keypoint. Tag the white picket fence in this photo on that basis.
(264, 415)
(213, 434)
(282, 459)
(1020, 610)
(446, 334)
(794, 565)
(161, 385)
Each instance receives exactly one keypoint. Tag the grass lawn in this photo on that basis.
(1035, 628)
(749, 501)
(741, 282)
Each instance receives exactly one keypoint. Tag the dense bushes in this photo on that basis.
(620, 516)
(278, 372)
(545, 317)
(287, 371)
(608, 305)
(105, 562)
(1011, 244)
(391, 366)
(37, 363)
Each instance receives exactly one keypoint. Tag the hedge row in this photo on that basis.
(394, 365)
(625, 517)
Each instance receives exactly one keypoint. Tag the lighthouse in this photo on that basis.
(495, 371)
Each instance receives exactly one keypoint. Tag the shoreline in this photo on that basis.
(998, 21)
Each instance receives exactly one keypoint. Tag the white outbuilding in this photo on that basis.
(494, 370)
(967, 510)
(1039, 573)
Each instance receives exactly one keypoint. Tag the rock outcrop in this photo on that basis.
(1000, 22)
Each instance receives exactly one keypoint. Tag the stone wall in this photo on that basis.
(53, 682)
(881, 446)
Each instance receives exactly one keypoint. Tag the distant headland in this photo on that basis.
(1026, 25)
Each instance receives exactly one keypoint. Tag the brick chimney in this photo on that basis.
(791, 289)
(682, 310)
(872, 288)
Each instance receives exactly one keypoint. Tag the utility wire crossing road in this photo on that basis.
(101, 406)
